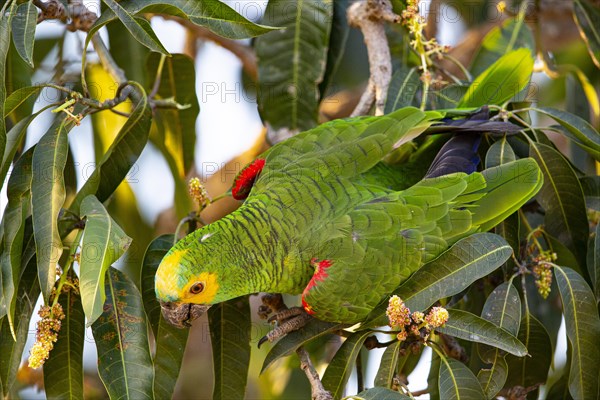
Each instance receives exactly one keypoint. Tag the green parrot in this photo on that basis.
(324, 217)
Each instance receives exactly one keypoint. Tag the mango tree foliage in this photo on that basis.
(65, 236)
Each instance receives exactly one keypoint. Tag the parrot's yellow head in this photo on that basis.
(187, 282)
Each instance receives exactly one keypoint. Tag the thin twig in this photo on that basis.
(318, 391)
(369, 16)
(244, 53)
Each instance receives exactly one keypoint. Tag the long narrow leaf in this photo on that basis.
(583, 330)
(104, 242)
(230, 325)
(124, 361)
(170, 341)
(339, 369)
(467, 326)
(47, 198)
(291, 63)
(23, 26)
(63, 371)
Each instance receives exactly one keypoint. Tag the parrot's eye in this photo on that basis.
(197, 288)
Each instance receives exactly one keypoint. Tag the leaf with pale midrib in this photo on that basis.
(561, 197)
(23, 26)
(63, 371)
(104, 242)
(121, 335)
(230, 325)
(587, 16)
(583, 330)
(47, 198)
(211, 14)
(170, 341)
(467, 326)
(291, 63)
(456, 381)
(339, 369)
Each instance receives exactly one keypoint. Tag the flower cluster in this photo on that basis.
(415, 24)
(543, 273)
(418, 325)
(47, 334)
(198, 193)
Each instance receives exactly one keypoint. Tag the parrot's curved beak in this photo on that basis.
(181, 315)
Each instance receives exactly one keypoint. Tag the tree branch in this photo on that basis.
(369, 16)
(318, 391)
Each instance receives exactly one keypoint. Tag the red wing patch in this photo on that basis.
(319, 275)
(244, 181)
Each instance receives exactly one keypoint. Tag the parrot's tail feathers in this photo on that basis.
(459, 154)
(507, 188)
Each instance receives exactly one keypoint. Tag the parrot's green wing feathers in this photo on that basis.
(391, 236)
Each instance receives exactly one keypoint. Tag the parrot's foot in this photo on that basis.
(271, 302)
(287, 319)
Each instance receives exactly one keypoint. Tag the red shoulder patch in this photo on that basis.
(319, 275)
(245, 179)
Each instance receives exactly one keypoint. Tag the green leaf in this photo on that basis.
(291, 63)
(583, 330)
(13, 141)
(403, 87)
(170, 341)
(290, 343)
(11, 350)
(5, 22)
(339, 369)
(154, 254)
(503, 308)
(13, 230)
(591, 191)
(433, 378)
(23, 26)
(501, 81)
(379, 393)
(533, 369)
(340, 30)
(230, 326)
(124, 362)
(20, 96)
(175, 131)
(138, 27)
(120, 156)
(593, 261)
(581, 132)
(63, 371)
(456, 381)
(562, 199)
(104, 242)
(127, 52)
(467, 326)
(587, 16)
(512, 34)
(452, 272)
(499, 153)
(47, 198)
(560, 389)
(211, 14)
(388, 365)
(492, 379)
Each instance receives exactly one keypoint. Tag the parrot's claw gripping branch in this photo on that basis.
(288, 319)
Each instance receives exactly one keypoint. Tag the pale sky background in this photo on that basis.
(228, 124)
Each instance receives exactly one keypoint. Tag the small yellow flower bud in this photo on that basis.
(437, 317)
(397, 312)
(198, 193)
